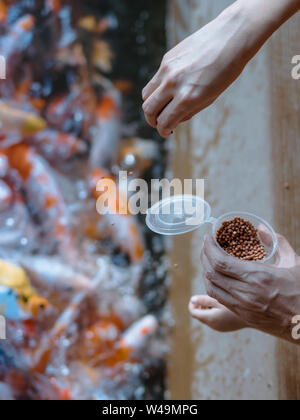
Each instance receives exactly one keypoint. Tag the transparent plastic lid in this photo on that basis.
(178, 215)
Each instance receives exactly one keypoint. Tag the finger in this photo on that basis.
(234, 287)
(209, 272)
(223, 297)
(206, 316)
(227, 298)
(151, 86)
(227, 265)
(207, 268)
(155, 104)
(170, 117)
(198, 108)
(286, 256)
(182, 108)
(265, 235)
(204, 302)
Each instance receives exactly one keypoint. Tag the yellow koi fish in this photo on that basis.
(18, 298)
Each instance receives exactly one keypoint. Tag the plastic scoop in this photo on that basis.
(182, 214)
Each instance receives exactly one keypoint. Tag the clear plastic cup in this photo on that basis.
(266, 233)
(173, 216)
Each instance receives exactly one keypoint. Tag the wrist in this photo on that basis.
(262, 18)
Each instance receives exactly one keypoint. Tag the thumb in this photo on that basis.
(286, 256)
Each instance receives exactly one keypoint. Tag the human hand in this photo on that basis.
(195, 73)
(216, 316)
(265, 297)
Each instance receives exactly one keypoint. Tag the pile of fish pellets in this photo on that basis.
(239, 238)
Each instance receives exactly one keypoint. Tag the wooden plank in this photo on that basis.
(181, 358)
(285, 126)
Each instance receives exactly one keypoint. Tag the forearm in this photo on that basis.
(246, 25)
(262, 18)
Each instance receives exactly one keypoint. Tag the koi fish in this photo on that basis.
(66, 319)
(102, 337)
(48, 272)
(4, 165)
(137, 155)
(22, 383)
(60, 109)
(6, 196)
(126, 235)
(3, 12)
(68, 34)
(57, 146)
(128, 347)
(22, 93)
(43, 195)
(53, 6)
(118, 224)
(18, 299)
(14, 45)
(123, 86)
(99, 341)
(118, 202)
(72, 56)
(106, 134)
(90, 24)
(128, 310)
(14, 119)
(16, 229)
(136, 338)
(102, 56)
(73, 112)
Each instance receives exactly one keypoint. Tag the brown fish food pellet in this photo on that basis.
(239, 238)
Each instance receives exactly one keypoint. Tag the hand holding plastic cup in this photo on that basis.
(182, 214)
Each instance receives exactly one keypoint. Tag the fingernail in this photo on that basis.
(194, 300)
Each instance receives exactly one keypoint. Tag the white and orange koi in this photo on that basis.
(52, 273)
(66, 319)
(136, 155)
(14, 44)
(16, 229)
(57, 146)
(118, 224)
(43, 195)
(106, 133)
